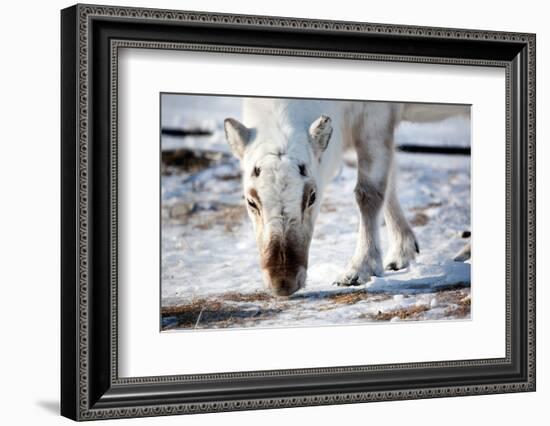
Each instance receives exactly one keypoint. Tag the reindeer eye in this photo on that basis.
(256, 172)
(311, 199)
(252, 205)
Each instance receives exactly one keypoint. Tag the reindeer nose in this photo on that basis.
(285, 285)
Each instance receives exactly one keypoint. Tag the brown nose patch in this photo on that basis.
(284, 287)
(284, 257)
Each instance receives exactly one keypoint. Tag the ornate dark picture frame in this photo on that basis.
(90, 38)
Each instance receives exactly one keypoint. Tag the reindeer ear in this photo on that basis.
(319, 134)
(237, 135)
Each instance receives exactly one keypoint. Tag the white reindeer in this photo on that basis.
(291, 149)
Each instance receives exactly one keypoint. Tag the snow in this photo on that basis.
(189, 112)
(454, 131)
(210, 272)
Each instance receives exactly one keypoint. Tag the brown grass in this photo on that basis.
(420, 219)
(224, 310)
(254, 297)
(453, 296)
(235, 176)
(459, 304)
(328, 208)
(216, 313)
(195, 306)
(408, 313)
(458, 311)
(229, 217)
(430, 205)
(188, 160)
(339, 299)
(348, 298)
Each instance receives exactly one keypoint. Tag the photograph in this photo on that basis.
(291, 212)
(268, 209)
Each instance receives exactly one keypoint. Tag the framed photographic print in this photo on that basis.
(263, 212)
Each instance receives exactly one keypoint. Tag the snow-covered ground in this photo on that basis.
(210, 272)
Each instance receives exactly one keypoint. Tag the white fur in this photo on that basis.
(284, 124)
(279, 135)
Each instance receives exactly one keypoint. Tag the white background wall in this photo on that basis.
(29, 212)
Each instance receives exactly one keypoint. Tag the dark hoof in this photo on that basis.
(353, 281)
(392, 267)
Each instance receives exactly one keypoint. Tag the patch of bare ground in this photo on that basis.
(459, 311)
(328, 208)
(188, 160)
(348, 298)
(216, 313)
(458, 304)
(234, 309)
(430, 205)
(229, 216)
(420, 219)
(409, 313)
(454, 296)
(247, 297)
(338, 300)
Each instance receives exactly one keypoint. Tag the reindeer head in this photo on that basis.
(282, 191)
